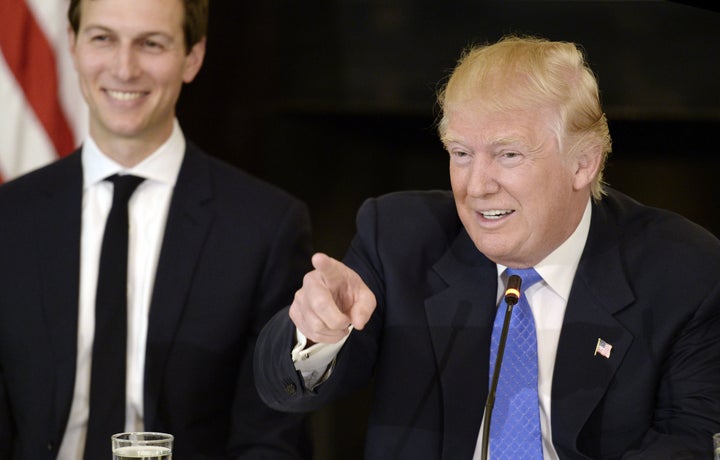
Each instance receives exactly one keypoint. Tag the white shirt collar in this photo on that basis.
(559, 267)
(162, 166)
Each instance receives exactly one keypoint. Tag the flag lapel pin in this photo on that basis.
(602, 348)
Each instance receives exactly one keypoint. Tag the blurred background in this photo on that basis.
(335, 102)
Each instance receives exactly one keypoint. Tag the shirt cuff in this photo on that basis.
(315, 362)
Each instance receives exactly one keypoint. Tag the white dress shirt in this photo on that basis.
(548, 300)
(147, 210)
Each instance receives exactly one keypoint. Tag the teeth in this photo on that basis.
(124, 95)
(494, 213)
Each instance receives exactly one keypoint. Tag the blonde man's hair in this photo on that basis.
(521, 73)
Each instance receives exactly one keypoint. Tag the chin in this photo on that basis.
(125, 130)
(498, 251)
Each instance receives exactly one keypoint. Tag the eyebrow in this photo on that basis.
(92, 27)
(511, 140)
(504, 140)
(99, 27)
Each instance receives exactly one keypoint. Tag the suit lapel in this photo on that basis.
(189, 220)
(460, 318)
(581, 377)
(59, 220)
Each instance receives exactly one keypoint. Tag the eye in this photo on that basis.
(459, 156)
(152, 44)
(100, 38)
(510, 157)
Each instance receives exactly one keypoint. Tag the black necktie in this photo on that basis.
(107, 378)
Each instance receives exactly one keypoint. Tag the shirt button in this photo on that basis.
(290, 388)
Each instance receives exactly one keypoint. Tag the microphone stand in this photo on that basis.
(512, 295)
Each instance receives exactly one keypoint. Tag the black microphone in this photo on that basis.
(512, 295)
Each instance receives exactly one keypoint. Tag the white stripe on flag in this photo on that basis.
(24, 145)
(51, 15)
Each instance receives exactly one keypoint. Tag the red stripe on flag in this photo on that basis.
(32, 60)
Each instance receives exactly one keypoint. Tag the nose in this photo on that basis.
(482, 178)
(126, 65)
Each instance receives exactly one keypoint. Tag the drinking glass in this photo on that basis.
(142, 446)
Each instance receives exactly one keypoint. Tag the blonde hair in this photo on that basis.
(519, 73)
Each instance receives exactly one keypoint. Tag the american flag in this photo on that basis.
(42, 114)
(603, 348)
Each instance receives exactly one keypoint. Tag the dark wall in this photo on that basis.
(334, 101)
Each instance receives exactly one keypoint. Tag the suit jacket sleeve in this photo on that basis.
(687, 411)
(383, 237)
(271, 434)
(279, 384)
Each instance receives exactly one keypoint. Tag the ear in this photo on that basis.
(72, 41)
(587, 165)
(194, 61)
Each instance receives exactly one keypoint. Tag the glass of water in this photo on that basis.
(716, 445)
(142, 446)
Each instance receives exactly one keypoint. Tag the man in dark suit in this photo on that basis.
(626, 313)
(212, 254)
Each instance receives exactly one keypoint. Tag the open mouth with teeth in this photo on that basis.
(494, 214)
(123, 95)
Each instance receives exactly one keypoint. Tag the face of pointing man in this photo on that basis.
(517, 194)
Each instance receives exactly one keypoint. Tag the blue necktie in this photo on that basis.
(515, 425)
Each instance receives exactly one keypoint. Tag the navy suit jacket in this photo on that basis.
(648, 283)
(234, 250)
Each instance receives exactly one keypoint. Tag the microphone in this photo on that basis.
(512, 295)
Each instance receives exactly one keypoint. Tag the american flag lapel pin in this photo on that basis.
(603, 348)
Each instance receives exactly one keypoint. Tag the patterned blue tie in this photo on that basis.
(515, 424)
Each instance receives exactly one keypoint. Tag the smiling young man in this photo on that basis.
(132, 59)
(625, 310)
(212, 254)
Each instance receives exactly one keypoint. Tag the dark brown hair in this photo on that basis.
(194, 24)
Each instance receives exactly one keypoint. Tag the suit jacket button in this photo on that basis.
(290, 388)
(50, 446)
